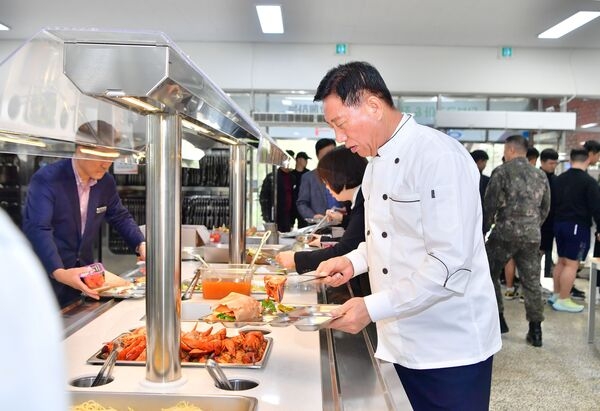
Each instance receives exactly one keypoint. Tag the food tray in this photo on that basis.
(264, 320)
(126, 291)
(304, 318)
(95, 359)
(308, 318)
(156, 402)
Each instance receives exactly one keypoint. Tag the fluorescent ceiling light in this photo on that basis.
(195, 127)
(270, 19)
(566, 26)
(22, 140)
(140, 104)
(98, 153)
(4, 27)
(589, 125)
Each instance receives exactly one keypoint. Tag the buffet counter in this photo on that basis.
(318, 370)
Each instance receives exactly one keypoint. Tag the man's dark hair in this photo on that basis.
(518, 142)
(592, 146)
(532, 153)
(341, 168)
(322, 143)
(479, 155)
(548, 154)
(579, 155)
(350, 81)
(98, 132)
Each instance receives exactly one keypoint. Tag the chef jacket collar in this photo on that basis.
(389, 147)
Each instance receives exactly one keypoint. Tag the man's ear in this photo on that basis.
(374, 106)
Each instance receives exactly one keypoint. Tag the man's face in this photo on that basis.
(356, 127)
(481, 164)
(549, 166)
(92, 163)
(300, 163)
(594, 157)
(324, 151)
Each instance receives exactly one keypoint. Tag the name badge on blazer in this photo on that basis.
(101, 210)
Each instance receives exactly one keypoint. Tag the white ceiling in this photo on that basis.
(513, 23)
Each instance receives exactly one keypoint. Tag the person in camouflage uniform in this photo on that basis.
(517, 201)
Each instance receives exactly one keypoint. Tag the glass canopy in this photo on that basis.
(62, 86)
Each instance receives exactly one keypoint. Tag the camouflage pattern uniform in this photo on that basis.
(517, 201)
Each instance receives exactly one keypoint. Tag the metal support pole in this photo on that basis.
(237, 206)
(163, 261)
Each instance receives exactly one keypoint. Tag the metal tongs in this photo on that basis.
(320, 224)
(217, 374)
(188, 293)
(106, 370)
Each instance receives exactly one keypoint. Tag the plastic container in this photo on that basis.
(221, 279)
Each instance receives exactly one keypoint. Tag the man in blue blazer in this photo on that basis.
(313, 198)
(59, 225)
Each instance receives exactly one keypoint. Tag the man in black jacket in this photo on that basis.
(549, 161)
(576, 200)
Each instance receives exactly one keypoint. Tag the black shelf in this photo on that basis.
(205, 196)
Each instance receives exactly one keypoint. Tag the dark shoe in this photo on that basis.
(534, 336)
(503, 325)
(577, 294)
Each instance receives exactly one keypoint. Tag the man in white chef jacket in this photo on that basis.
(433, 300)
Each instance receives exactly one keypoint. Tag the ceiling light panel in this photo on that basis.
(568, 25)
(271, 20)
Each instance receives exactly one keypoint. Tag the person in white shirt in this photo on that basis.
(433, 300)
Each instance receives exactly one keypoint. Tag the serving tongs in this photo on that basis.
(188, 293)
(106, 369)
(217, 374)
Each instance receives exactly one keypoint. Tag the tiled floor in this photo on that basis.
(564, 374)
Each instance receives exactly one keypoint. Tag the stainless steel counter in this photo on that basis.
(351, 378)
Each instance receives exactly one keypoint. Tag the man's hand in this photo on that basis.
(334, 216)
(141, 251)
(286, 259)
(353, 316)
(71, 277)
(336, 271)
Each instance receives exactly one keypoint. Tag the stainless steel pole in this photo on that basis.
(237, 206)
(163, 261)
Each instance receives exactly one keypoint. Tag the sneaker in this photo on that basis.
(567, 305)
(552, 299)
(510, 293)
(577, 294)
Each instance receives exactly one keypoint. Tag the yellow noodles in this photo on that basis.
(90, 406)
(182, 406)
(94, 406)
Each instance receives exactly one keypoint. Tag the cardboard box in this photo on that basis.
(191, 235)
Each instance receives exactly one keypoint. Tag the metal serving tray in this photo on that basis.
(96, 359)
(308, 318)
(156, 402)
(304, 318)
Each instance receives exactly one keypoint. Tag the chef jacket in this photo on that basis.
(433, 299)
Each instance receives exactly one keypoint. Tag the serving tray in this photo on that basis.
(96, 359)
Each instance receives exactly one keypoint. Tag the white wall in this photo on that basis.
(456, 70)
(466, 70)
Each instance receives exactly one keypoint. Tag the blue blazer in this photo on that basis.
(52, 221)
(311, 197)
